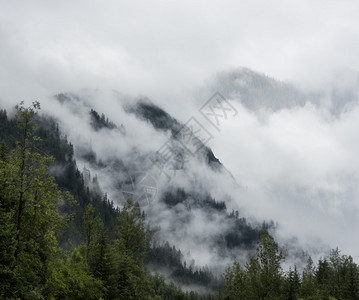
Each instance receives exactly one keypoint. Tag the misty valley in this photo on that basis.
(106, 197)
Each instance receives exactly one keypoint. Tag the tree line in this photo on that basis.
(333, 277)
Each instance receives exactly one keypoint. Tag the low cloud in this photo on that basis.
(301, 169)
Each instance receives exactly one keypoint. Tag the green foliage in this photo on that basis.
(262, 277)
(164, 256)
(270, 258)
(308, 286)
(132, 237)
(30, 220)
(292, 284)
(236, 282)
(7, 252)
(70, 279)
(334, 277)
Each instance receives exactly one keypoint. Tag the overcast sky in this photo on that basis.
(166, 50)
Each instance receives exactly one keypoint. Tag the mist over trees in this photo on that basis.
(333, 277)
(59, 239)
(182, 150)
(34, 215)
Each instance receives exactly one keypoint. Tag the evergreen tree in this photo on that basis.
(7, 252)
(70, 279)
(132, 236)
(335, 277)
(308, 286)
(132, 280)
(30, 219)
(97, 249)
(262, 278)
(350, 276)
(235, 287)
(253, 282)
(270, 258)
(292, 284)
(323, 274)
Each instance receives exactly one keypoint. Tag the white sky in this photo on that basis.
(165, 48)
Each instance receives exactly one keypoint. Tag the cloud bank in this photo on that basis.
(166, 49)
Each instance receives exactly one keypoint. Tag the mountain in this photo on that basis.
(179, 215)
(134, 149)
(161, 120)
(257, 91)
(179, 209)
(109, 150)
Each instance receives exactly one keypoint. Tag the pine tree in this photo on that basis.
(270, 258)
(7, 252)
(253, 281)
(97, 248)
(335, 280)
(30, 219)
(133, 281)
(3, 152)
(308, 286)
(235, 287)
(132, 235)
(323, 274)
(350, 276)
(292, 284)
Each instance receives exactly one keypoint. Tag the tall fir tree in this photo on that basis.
(29, 202)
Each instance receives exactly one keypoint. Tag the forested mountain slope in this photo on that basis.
(63, 237)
